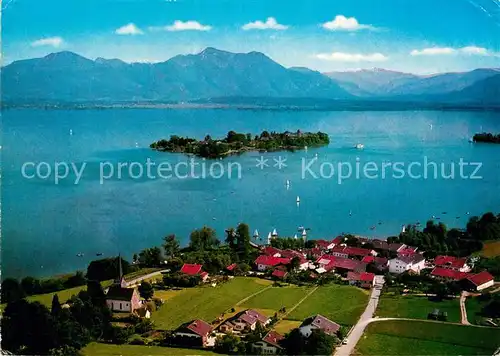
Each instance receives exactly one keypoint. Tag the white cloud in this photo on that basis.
(129, 29)
(270, 24)
(182, 26)
(342, 23)
(352, 57)
(470, 50)
(49, 41)
(475, 50)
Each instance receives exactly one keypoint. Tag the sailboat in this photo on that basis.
(256, 234)
(71, 132)
(269, 237)
(304, 234)
(295, 236)
(403, 229)
(275, 233)
(287, 182)
(298, 199)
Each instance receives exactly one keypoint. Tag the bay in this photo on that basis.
(45, 225)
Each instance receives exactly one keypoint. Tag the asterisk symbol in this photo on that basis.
(261, 162)
(280, 162)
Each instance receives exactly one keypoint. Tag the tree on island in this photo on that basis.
(203, 239)
(171, 246)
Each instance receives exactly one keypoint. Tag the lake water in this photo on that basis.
(45, 225)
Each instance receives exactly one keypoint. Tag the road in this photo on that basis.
(463, 310)
(137, 280)
(366, 318)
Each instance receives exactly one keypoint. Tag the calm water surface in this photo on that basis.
(45, 225)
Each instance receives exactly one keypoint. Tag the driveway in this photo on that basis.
(137, 280)
(364, 320)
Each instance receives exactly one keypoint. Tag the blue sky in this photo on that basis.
(421, 36)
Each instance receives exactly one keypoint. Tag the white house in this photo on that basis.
(403, 263)
(269, 345)
(121, 299)
(318, 322)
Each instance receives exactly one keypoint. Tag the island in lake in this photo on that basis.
(235, 143)
(486, 137)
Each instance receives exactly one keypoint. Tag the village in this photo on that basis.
(348, 295)
(360, 267)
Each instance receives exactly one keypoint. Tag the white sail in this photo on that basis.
(275, 233)
(295, 236)
(71, 132)
(298, 199)
(403, 230)
(304, 232)
(269, 239)
(256, 233)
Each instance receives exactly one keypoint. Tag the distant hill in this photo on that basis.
(224, 77)
(67, 76)
(386, 83)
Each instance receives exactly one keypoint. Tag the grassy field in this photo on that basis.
(97, 349)
(285, 326)
(140, 273)
(491, 249)
(277, 297)
(413, 307)
(63, 295)
(342, 304)
(399, 337)
(206, 302)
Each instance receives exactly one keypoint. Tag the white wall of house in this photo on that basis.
(340, 254)
(417, 267)
(306, 330)
(263, 347)
(261, 267)
(485, 285)
(397, 266)
(119, 305)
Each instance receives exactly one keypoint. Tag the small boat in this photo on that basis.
(295, 236)
(471, 140)
(373, 227)
(305, 147)
(350, 212)
(214, 218)
(468, 213)
(438, 218)
(300, 228)
(256, 234)
(287, 182)
(458, 217)
(275, 233)
(359, 146)
(136, 144)
(444, 212)
(269, 237)
(298, 199)
(98, 254)
(304, 233)
(71, 132)
(433, 216)
(403, 229)
(380, 222)
(79, 254)
(316, 155)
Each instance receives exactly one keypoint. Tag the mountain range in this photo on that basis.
(216, 74)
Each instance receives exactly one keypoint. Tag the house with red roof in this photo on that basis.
(269, 345)
(318, 322)
(381, 263)
(272, 251)
(479, 281)
(340, 264)
(363, 279)
(451, 262)
(264, 262)
(192, 269)
(196, 333)
(448, 274)
(279, 273)
(244, 322)
(348, 251)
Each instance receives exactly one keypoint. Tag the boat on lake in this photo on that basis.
(359, 146)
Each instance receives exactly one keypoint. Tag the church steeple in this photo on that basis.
(120, 280)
